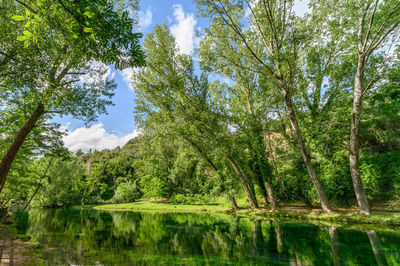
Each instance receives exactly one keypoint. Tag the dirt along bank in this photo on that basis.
(16, 249)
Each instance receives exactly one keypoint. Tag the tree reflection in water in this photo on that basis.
(83, 236)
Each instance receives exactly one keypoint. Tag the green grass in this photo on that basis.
(163, 207)
(342, 217)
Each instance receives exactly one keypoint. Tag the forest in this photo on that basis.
(271, 109)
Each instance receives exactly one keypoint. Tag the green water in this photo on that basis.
(90, 237)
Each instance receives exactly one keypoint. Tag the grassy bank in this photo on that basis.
(163, 207)
(343, 216)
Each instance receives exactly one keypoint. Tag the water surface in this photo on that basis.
(89, 237)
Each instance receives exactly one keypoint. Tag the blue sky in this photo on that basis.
(116, 128)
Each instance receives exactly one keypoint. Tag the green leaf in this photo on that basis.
(27, 33)
(89, 14)
(86, 29)
(18, 18)
(23, 38)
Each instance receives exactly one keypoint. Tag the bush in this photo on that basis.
(178, 199)
(336, 178)
(126, 192)
(21, 219)
(381, 175)
(194, 199)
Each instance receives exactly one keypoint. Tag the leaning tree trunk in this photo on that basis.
(12, 151)
(260, 181)
(304, 153)
(39, 184)
(33, 195)
(263, 174)
(272, 198)
(214, 167)
(242, 178)
(355, 139)
(263, 164)
(233, 202)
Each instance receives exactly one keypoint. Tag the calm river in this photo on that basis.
(90, 237)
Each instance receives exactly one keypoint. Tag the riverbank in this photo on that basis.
(381, 215)
(16, 249)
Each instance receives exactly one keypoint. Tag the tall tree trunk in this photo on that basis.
(304, 153)
(260, 153)
(260, 181)
(233, 202)
(251, 187)
(214, 167)
(12, 151)
(355, 138)
(272, 198)
(242, 178)
(305, 199)
(264, 174)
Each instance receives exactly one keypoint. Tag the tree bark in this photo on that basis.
(242, 178)
(233, 202)
(266, 175)
(260, 181)
(268, 192)
(272, 198)
(12, 151)
(355, 138)
(260, 153)
(305, 154)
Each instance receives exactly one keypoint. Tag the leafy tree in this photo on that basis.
(56, 67)
(169, 90)
(271, 44)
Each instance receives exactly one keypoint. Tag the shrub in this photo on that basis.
(381, 175)
(126, 192)
(179, 199)
(194, 199)
(21, 219)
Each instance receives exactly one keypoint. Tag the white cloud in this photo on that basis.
(127, 74)
(145, 18)
(184, 29)
(301, 7)
(95, 137)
